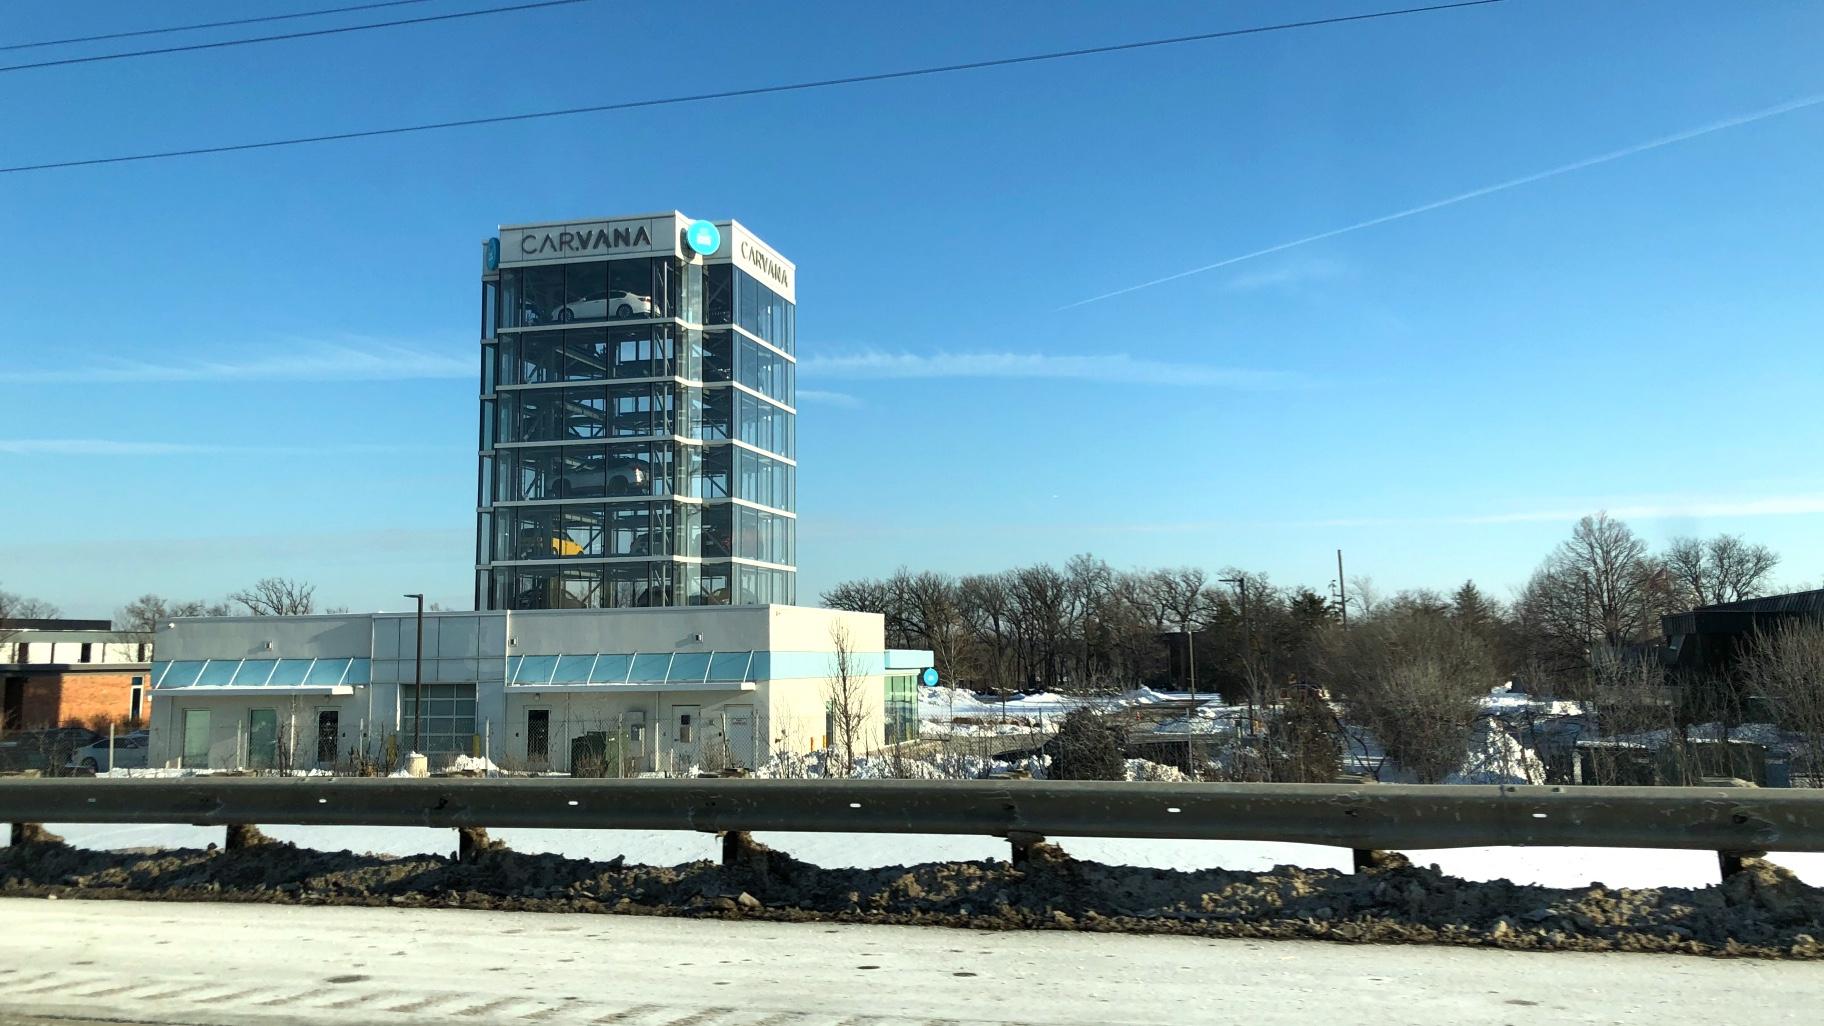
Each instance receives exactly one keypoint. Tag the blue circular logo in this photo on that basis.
(703, 237)
(490, 255)
(929, 677)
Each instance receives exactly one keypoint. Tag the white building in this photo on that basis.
(631, 690)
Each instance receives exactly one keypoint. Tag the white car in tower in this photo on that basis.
(616, 305)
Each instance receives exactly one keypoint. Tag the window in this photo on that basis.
(901, 708)
(196, 739)
(747, 302)
(138, 708)
(762, 479)
(718, 532)
(718, 294)
(262, 738)
(631, 293)
(448, 723)
(542, 294)
(508, 314)
(585, 292)
(718, 356)
(551, 588)
(631, 410)
(585, 355)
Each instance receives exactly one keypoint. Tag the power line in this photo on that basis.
(208, 24)
(288, 35)
(750, 91)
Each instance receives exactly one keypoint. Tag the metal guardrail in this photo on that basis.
(1732, 821)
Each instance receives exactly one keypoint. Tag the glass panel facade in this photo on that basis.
(535, 670)
(639, 668)
(573, 669)
(610, 389)
(254, 671)
(902, 708)
(218, 673)
(651, 667)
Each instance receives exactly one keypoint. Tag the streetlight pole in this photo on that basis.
(1190, 657)
(418, 681)
(1247, 654)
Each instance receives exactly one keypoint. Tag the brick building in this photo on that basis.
(57, 673)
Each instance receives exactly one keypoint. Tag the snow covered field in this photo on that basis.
(1555, 867)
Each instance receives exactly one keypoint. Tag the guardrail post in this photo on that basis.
(1733, 862)
(471, 842)
(1023, 842)
(1369, 859)
(33, 833)
(244, 835)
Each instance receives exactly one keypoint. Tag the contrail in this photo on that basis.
(1626, 151)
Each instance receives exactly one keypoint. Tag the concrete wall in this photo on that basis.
(724, 628)
(797, 702)
(297, 715)
(265, 637)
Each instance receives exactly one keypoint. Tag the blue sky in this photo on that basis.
(225, 367)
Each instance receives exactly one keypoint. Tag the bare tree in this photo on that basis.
(845, 694)
(1416, 681)
(1721, 569)
(1600, 588)
(277, 596)
(1786, 668)
(147, 612)
(986, 604)
(21, 607)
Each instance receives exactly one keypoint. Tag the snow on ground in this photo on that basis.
(1553, 867)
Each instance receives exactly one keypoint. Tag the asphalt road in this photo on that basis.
(75, 962)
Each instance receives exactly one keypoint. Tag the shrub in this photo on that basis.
(1088, 747)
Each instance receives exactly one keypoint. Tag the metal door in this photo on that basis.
(329, 737)
(686, 735)
(739, 735)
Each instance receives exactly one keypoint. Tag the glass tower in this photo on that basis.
(638, 417)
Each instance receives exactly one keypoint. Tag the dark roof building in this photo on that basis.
(1709, 638)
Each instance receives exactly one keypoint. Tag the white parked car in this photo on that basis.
(616, 304)
(129, 753)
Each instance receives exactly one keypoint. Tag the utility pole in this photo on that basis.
(418, 682)
(1342, 590)
(1190, 714)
